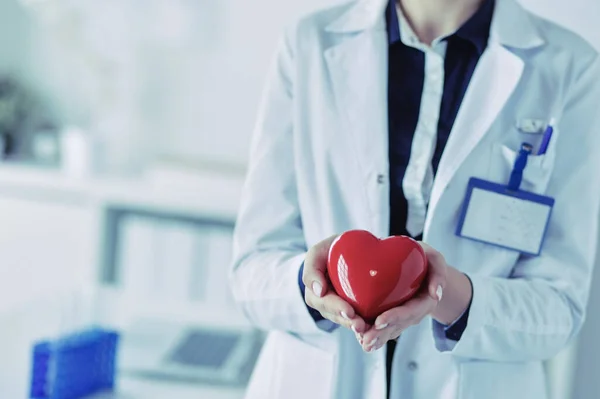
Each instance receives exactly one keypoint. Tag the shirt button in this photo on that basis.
(436, 75)
(380, 179)
(412, 366)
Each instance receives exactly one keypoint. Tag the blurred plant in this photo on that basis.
(21, 113)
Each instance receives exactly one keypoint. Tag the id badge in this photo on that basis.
(498, 215)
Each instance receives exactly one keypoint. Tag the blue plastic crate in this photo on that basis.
(74, 366)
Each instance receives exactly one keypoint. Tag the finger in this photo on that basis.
(436, 289)
(313, 278)
(334, 304)
(386, 336)
(339, 311)
(436, 282)
(368, 327)
(344, 313)
(436, 273)
(422, 306)
(410, 313)
(336, 319)
(398, 318)
(375, 340)
(394, 317)
(426, 247)
(360, 325)
(347, 323)
(369, 344)
(359, 339)
(315, 267)
(395, 334)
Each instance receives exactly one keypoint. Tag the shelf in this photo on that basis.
(198, 194)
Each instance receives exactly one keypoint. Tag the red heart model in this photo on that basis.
(375, 275)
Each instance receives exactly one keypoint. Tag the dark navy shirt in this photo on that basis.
(406, 79)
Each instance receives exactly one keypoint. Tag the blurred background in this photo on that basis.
(124, 130)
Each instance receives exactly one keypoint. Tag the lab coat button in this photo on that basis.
(380, 179)
(412, 366)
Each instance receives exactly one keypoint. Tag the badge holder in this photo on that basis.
(504, 215)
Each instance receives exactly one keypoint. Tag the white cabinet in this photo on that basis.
(45, 245)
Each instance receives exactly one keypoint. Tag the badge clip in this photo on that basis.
(516, 176)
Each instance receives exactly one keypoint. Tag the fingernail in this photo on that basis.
(317, 288)
(344, 315)
(372, 343)
(439, 292)
(359, 339)
(354, 329)
(381, 326)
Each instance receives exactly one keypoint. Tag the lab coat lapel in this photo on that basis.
(358, 72)
(494, 80)
(496, 77)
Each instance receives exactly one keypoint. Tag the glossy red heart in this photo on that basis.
(375, 275)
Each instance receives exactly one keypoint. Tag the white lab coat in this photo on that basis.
(319, 166)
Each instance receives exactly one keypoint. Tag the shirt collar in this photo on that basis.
(476, 30)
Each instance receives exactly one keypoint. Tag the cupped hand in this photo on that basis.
(390, 324)
(319, 293)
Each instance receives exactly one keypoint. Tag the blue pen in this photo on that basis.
(546, 138)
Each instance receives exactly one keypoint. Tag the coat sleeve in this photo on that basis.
(269, 245)
(537, 311)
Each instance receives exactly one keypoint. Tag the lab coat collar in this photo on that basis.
(511, 25)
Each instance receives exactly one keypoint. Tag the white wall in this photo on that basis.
(14, 36)
(182, 77)
(580, 16)
(231, 76)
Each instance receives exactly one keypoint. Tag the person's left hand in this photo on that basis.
(389, 325)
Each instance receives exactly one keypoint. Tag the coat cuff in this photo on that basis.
(478, 317)
(455, 330)
(447, 336)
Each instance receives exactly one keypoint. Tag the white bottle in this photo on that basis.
(75, 146)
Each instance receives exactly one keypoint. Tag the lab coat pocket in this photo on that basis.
(535, 176)
(291, 368)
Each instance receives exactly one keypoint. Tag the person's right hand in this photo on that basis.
(319, 294)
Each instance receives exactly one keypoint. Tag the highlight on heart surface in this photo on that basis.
(374, 275)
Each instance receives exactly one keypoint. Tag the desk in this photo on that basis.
(140, 389)
(38, 319)
(69, 221)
